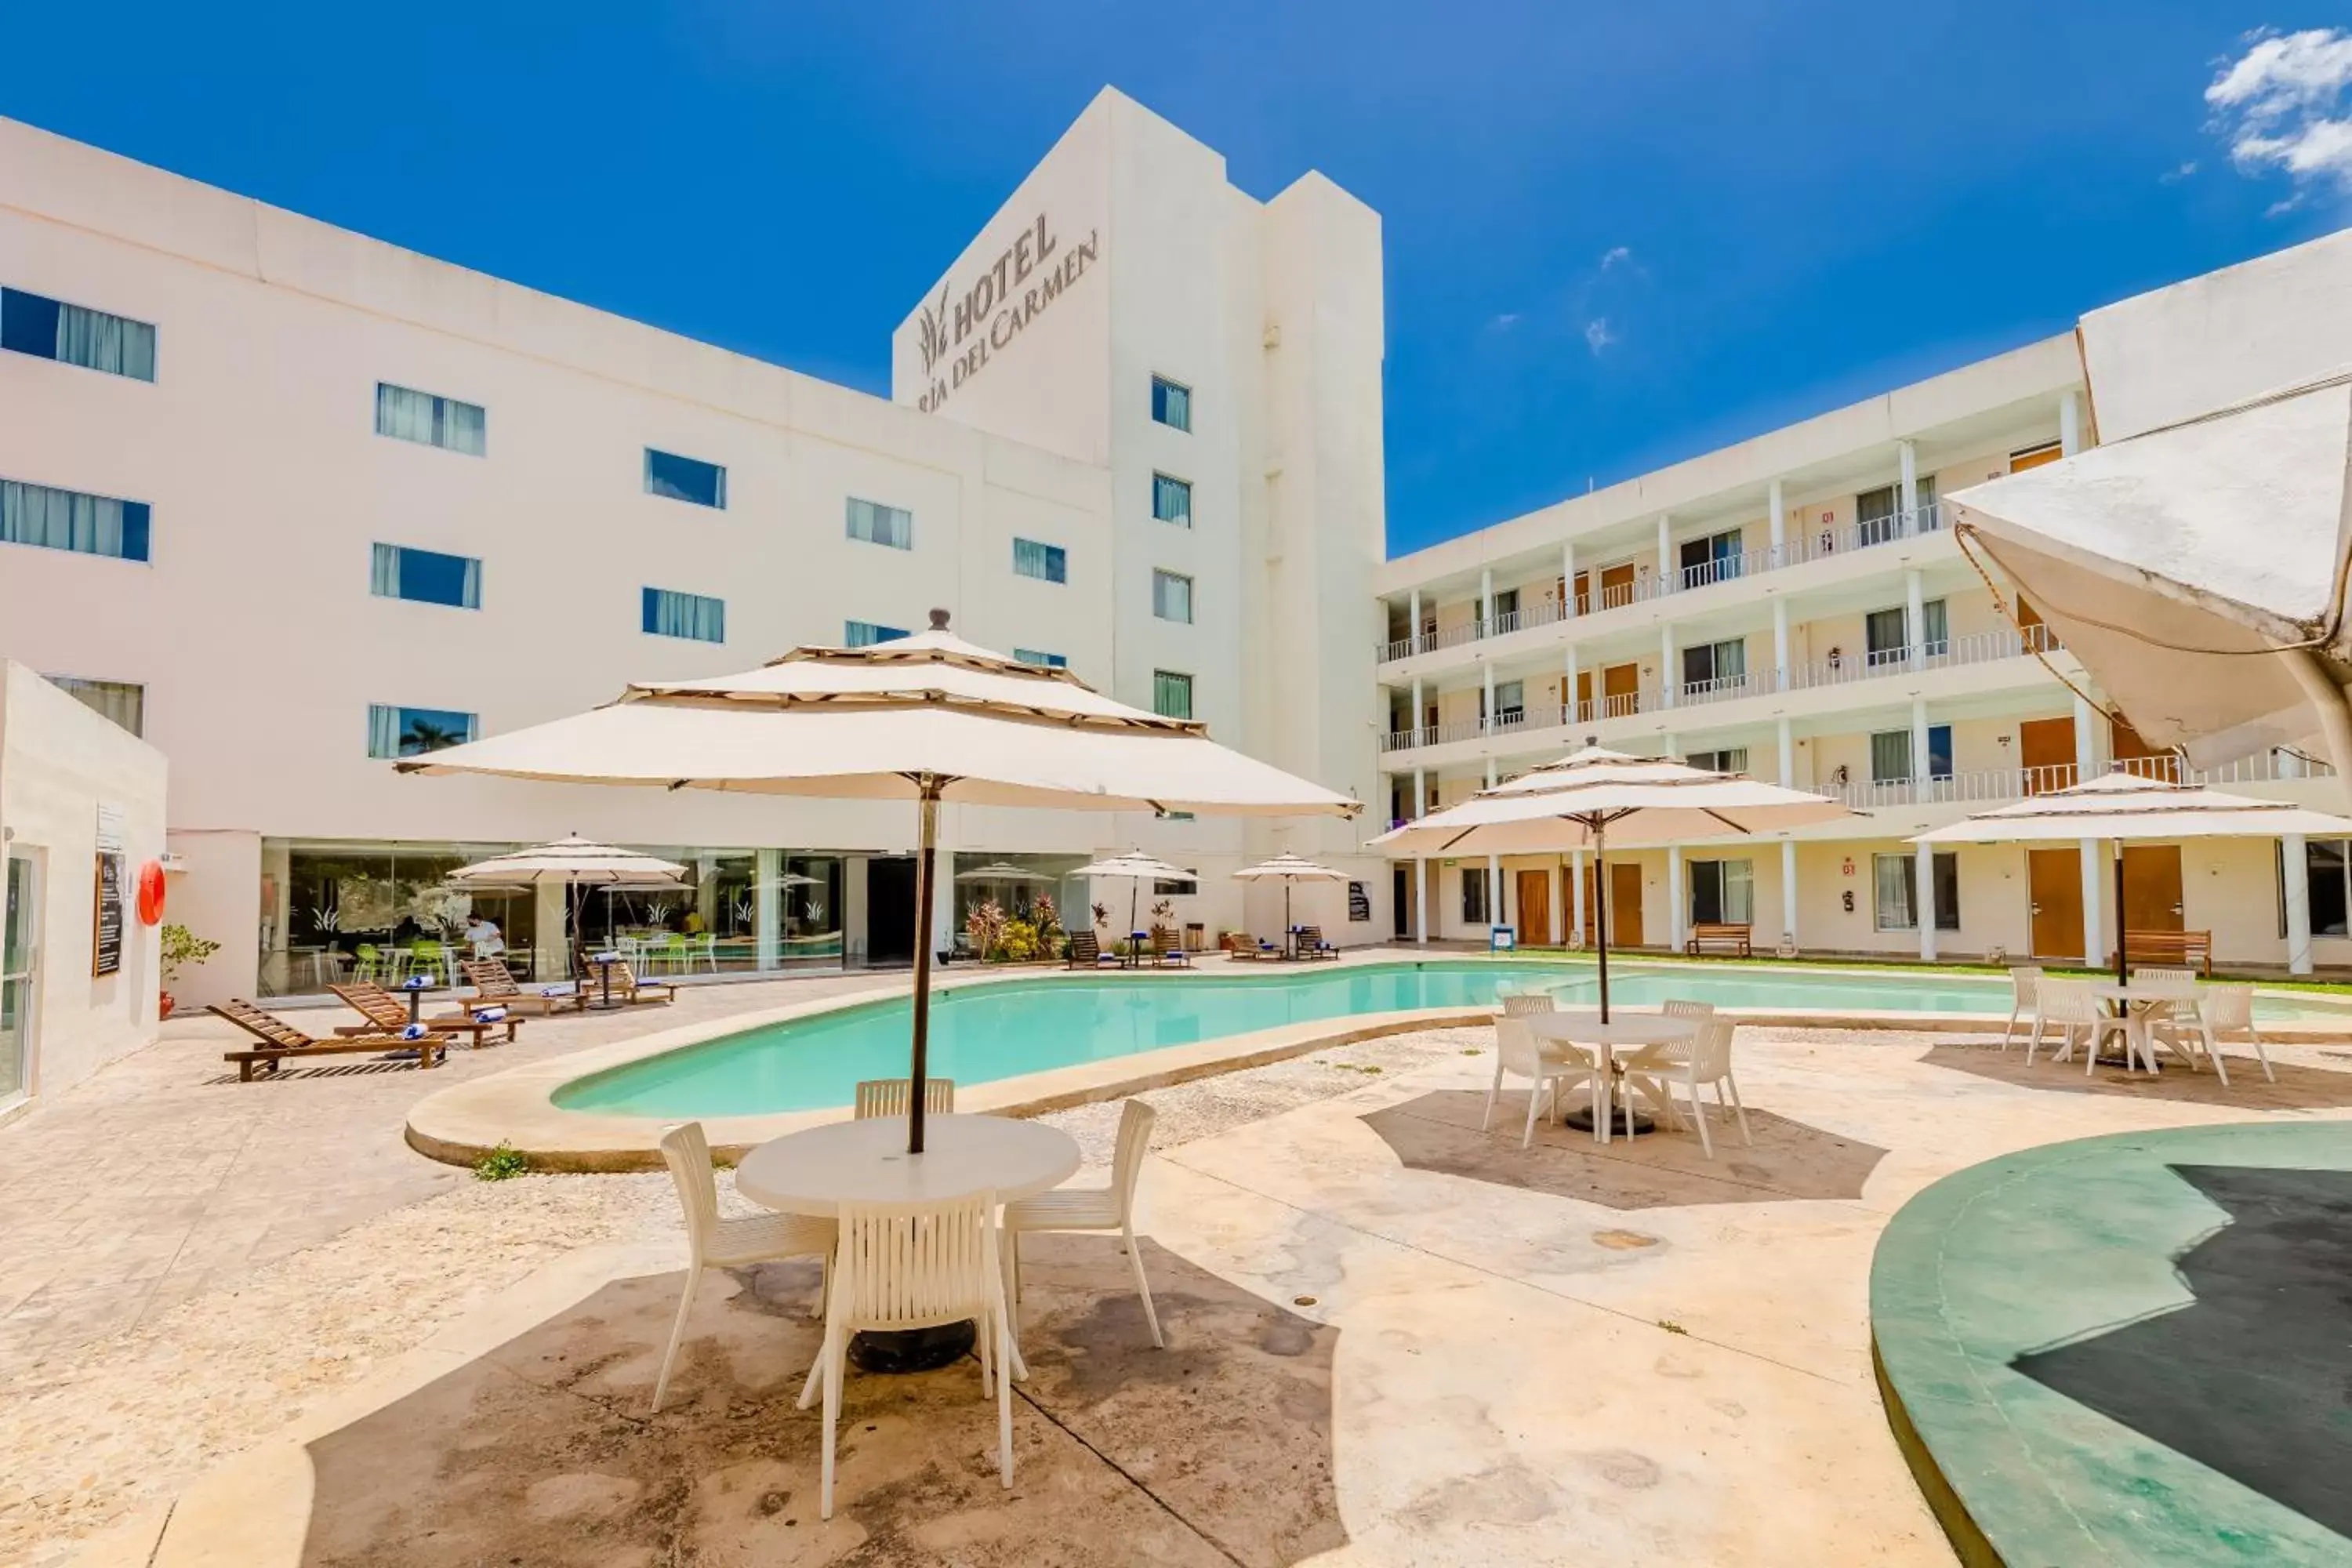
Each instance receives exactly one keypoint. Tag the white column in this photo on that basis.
(1415, 726)
(1788, 888)
(1788, 756)
(1669, 749)
(1485, 601)
(2096, 870)
(1490, 772)
(2294, 866)
(1568, 579)
(1921, 784)
(1909, 501)
(1412, 635)
(1567, 687)
(1674, 896)
(2086, 742)
(1420, 899)
(1666, 578)
(1669, 677)
(768, 905)
(1914, 617)
(1925, 876)
(1494, 890)
(1779, 642)
(1780, 513)
(1486, 712)
(1576, 895)
(1557, 934)
(1420, 797)
(1506, 898)
(2070, 423)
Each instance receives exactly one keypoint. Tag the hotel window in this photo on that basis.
(1897, 880)
(1044, 660)
(1046, 562)
(1171, 500)
(1722, 893)
(74, 335)
(685, 479)
(879, 524)
(1172, 597)
(670, 614)
(430, 420)
(866, 634)
(124, 701)
(1716, 667)
(1890, 754)
(1171, 403)
(1171, 694)
(1889, 637)
(425, 577)
(1878, 513)
(407, 732)
(1510, 702)
(1474, 895)
(2327, 874)
(1729, 759)
(68, 520)
(1714, 558)
(1506, 610)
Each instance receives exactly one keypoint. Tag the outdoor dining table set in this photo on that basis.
(2155, 1008)
(1620, 1058)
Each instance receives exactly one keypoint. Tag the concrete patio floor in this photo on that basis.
(1450, 1352)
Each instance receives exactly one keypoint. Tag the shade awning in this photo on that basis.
(569, 860)
(2126, 806)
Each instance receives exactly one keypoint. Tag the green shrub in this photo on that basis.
(501, 1163)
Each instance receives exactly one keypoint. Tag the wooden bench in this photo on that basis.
(2176, 948)
(1715, 936)
(280, 1040)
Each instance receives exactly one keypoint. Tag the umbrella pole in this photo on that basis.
(927, 840)
(2122, 977)
(1601, 908)
(1134, 893)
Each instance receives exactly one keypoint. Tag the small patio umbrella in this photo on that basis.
(1136, 866)
(574, 862)
(2124, 806)
(1576, 802)
(922, 719)
(1289, 868)
(1004, 871)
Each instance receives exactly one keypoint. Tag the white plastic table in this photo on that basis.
(2140, 1003)
(1585, 1028)
(815, 1171)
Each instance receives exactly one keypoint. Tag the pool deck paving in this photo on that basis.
(1449, 1350)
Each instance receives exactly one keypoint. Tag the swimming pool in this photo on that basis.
(1010, 1027)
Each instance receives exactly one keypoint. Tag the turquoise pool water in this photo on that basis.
(1002, 1030)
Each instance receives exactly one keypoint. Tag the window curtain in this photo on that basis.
(1172, 597)
(1171, 694)
(879, 524)
(1031, 559)
(691, 616)
(1474, 895)
(102, 341)
(1172, 500)
(1890, 756)
(464, 427)
(1175, 405)
(384, 730)
(384, 572)
(406, 414)
(1739, 891)
(473, 586)
(1937, 633)
(120, 700)
(68, 520)
(1948, 891)
(1894, 875)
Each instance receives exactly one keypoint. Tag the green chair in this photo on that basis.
(371, 962)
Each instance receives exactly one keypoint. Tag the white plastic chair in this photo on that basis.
(1683, 1009)
(719, 1243)
(1090, 1209)
(2024, 1002)
(1704, 1058)
(1545, 1064)
(895, 1097)
(916, 1266)
(2220, 1010)
(2072, 1006)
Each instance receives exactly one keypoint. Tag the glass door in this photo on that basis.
(17, 974)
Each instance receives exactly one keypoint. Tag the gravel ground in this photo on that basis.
(100, 1429)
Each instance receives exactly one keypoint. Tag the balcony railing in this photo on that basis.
(1995, 785)
(1820, 544)
(1950, 653)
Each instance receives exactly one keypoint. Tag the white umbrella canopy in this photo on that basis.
(2198, 570)
(1136, 866)
(1290, 869)
(1004, 871)
(923, 718)
(571, 860)
(2124, 806)
(1579, 801)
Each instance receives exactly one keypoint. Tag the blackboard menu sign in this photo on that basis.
(1360, 902)
(106, 944)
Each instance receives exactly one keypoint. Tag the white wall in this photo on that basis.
(58, 763)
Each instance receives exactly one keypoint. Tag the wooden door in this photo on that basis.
(2054, 881)
(1621, 690)
(1583, 697)
(2021, 461)
(2045, 750)
(1616, 586)
(1535, 907)
(1625, 905)
(2152, 887)
(2136, 756)
(1584, 593)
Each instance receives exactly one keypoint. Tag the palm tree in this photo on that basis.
(426, 735)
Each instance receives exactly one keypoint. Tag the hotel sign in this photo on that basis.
(960, 333)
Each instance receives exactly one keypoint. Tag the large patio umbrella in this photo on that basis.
(1289, 870)
(574, 862)
(922, 719)
(1137, 868)
(2124, 806)
(2197, 570)
(1576, 802)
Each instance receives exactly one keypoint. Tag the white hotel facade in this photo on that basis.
(289, 501)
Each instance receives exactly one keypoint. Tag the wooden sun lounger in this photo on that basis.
(280, 1040)
(626, 985)
(1086, 952)
(386, 1014)
(1311, 945)
(496, 987)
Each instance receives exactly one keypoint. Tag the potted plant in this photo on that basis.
(179, 946)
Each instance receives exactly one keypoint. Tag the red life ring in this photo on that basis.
(150, 892)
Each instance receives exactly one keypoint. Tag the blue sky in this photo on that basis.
(1617, 234)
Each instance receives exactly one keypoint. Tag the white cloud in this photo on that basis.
(2286, 104)
(1503, 322)
(2174, 176)
(1615, 254)
(1596, 335)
